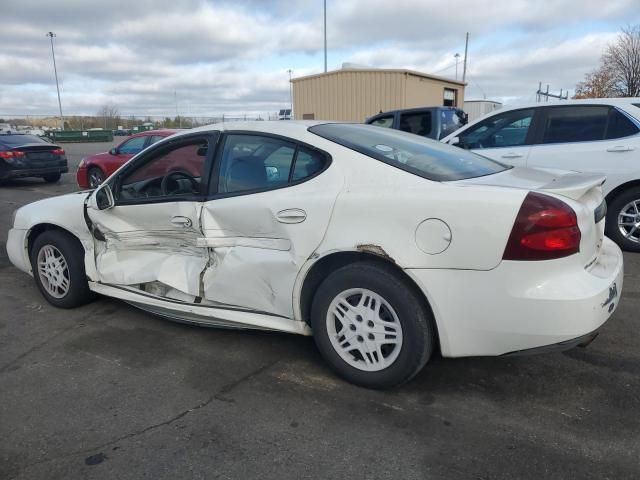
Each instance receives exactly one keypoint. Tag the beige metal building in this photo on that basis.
(355, 94)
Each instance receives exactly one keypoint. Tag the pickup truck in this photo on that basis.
(430, 122)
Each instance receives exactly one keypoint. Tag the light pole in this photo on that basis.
(325, 36)
(55, 71)
(290, 94)
(457, 56)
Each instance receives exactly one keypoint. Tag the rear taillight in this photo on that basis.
(58, 151)
(545, 228)
(11, 154)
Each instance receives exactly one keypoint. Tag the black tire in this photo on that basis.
(52, 178)
(416, 321)
(95, 177)
(78, 292)
(615, 208)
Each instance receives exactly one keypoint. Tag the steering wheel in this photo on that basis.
(172, 177)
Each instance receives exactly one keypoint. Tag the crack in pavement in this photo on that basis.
(219, 395)
(37, 347)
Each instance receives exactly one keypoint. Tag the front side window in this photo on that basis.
(575, 123)
(132, 146)
(386, 122)
(174, 172)
(421, 156)
(508, 129)
(251, 163)
(418, 123)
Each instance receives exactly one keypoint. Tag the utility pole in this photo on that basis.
(55, 71)
(325, 36)
(464, 67)
(175, 98)
(457, 57)
(290, 94)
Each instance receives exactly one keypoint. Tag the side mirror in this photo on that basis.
(102, 198)
(113, 151)
(454, 141)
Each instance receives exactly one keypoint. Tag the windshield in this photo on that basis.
(452, 120)
(418, 155)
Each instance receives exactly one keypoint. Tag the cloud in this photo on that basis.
(233, 55)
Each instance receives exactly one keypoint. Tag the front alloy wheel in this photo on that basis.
(57, 261)
(53, 271)
(96, 177)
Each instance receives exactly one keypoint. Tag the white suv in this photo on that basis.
(598, 135)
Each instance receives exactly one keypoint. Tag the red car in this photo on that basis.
(94, 169)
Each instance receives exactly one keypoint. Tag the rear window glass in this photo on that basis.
(17, 140)
(418, 155)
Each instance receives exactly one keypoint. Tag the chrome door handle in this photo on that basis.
(291, 215)
(183, 222)
(620, 148)
(512, 155)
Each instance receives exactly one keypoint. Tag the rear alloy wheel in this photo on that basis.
(58, 269)
(96, 177)
(623, 220)
(52, 178)
(371, 326)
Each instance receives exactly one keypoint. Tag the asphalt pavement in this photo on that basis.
(107, 391)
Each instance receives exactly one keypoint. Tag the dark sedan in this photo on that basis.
(31, 156)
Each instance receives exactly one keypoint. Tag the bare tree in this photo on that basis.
(109, 114)
(619, 72)
(622, 59)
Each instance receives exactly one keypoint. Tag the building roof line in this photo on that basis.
(381, 70)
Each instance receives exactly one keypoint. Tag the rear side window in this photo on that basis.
(575, 124)
(421, 156)
(308, 163)
(154, 139)
(619, 125)
(252, 163)
(418, 123)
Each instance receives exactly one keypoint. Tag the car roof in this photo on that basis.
(621, 102)
(165, 132)
(287, 128)
(414, 109)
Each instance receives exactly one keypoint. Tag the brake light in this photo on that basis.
(545, 228)
(58, 151)
(11, 154)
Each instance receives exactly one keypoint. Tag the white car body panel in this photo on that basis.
(243, 260)
(618, 159)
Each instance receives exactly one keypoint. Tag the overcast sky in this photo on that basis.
(217, 57)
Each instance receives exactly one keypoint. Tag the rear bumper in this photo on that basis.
(582, 341)
(519, 306)
(32, 172)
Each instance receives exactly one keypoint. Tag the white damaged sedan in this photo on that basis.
(384, 245)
